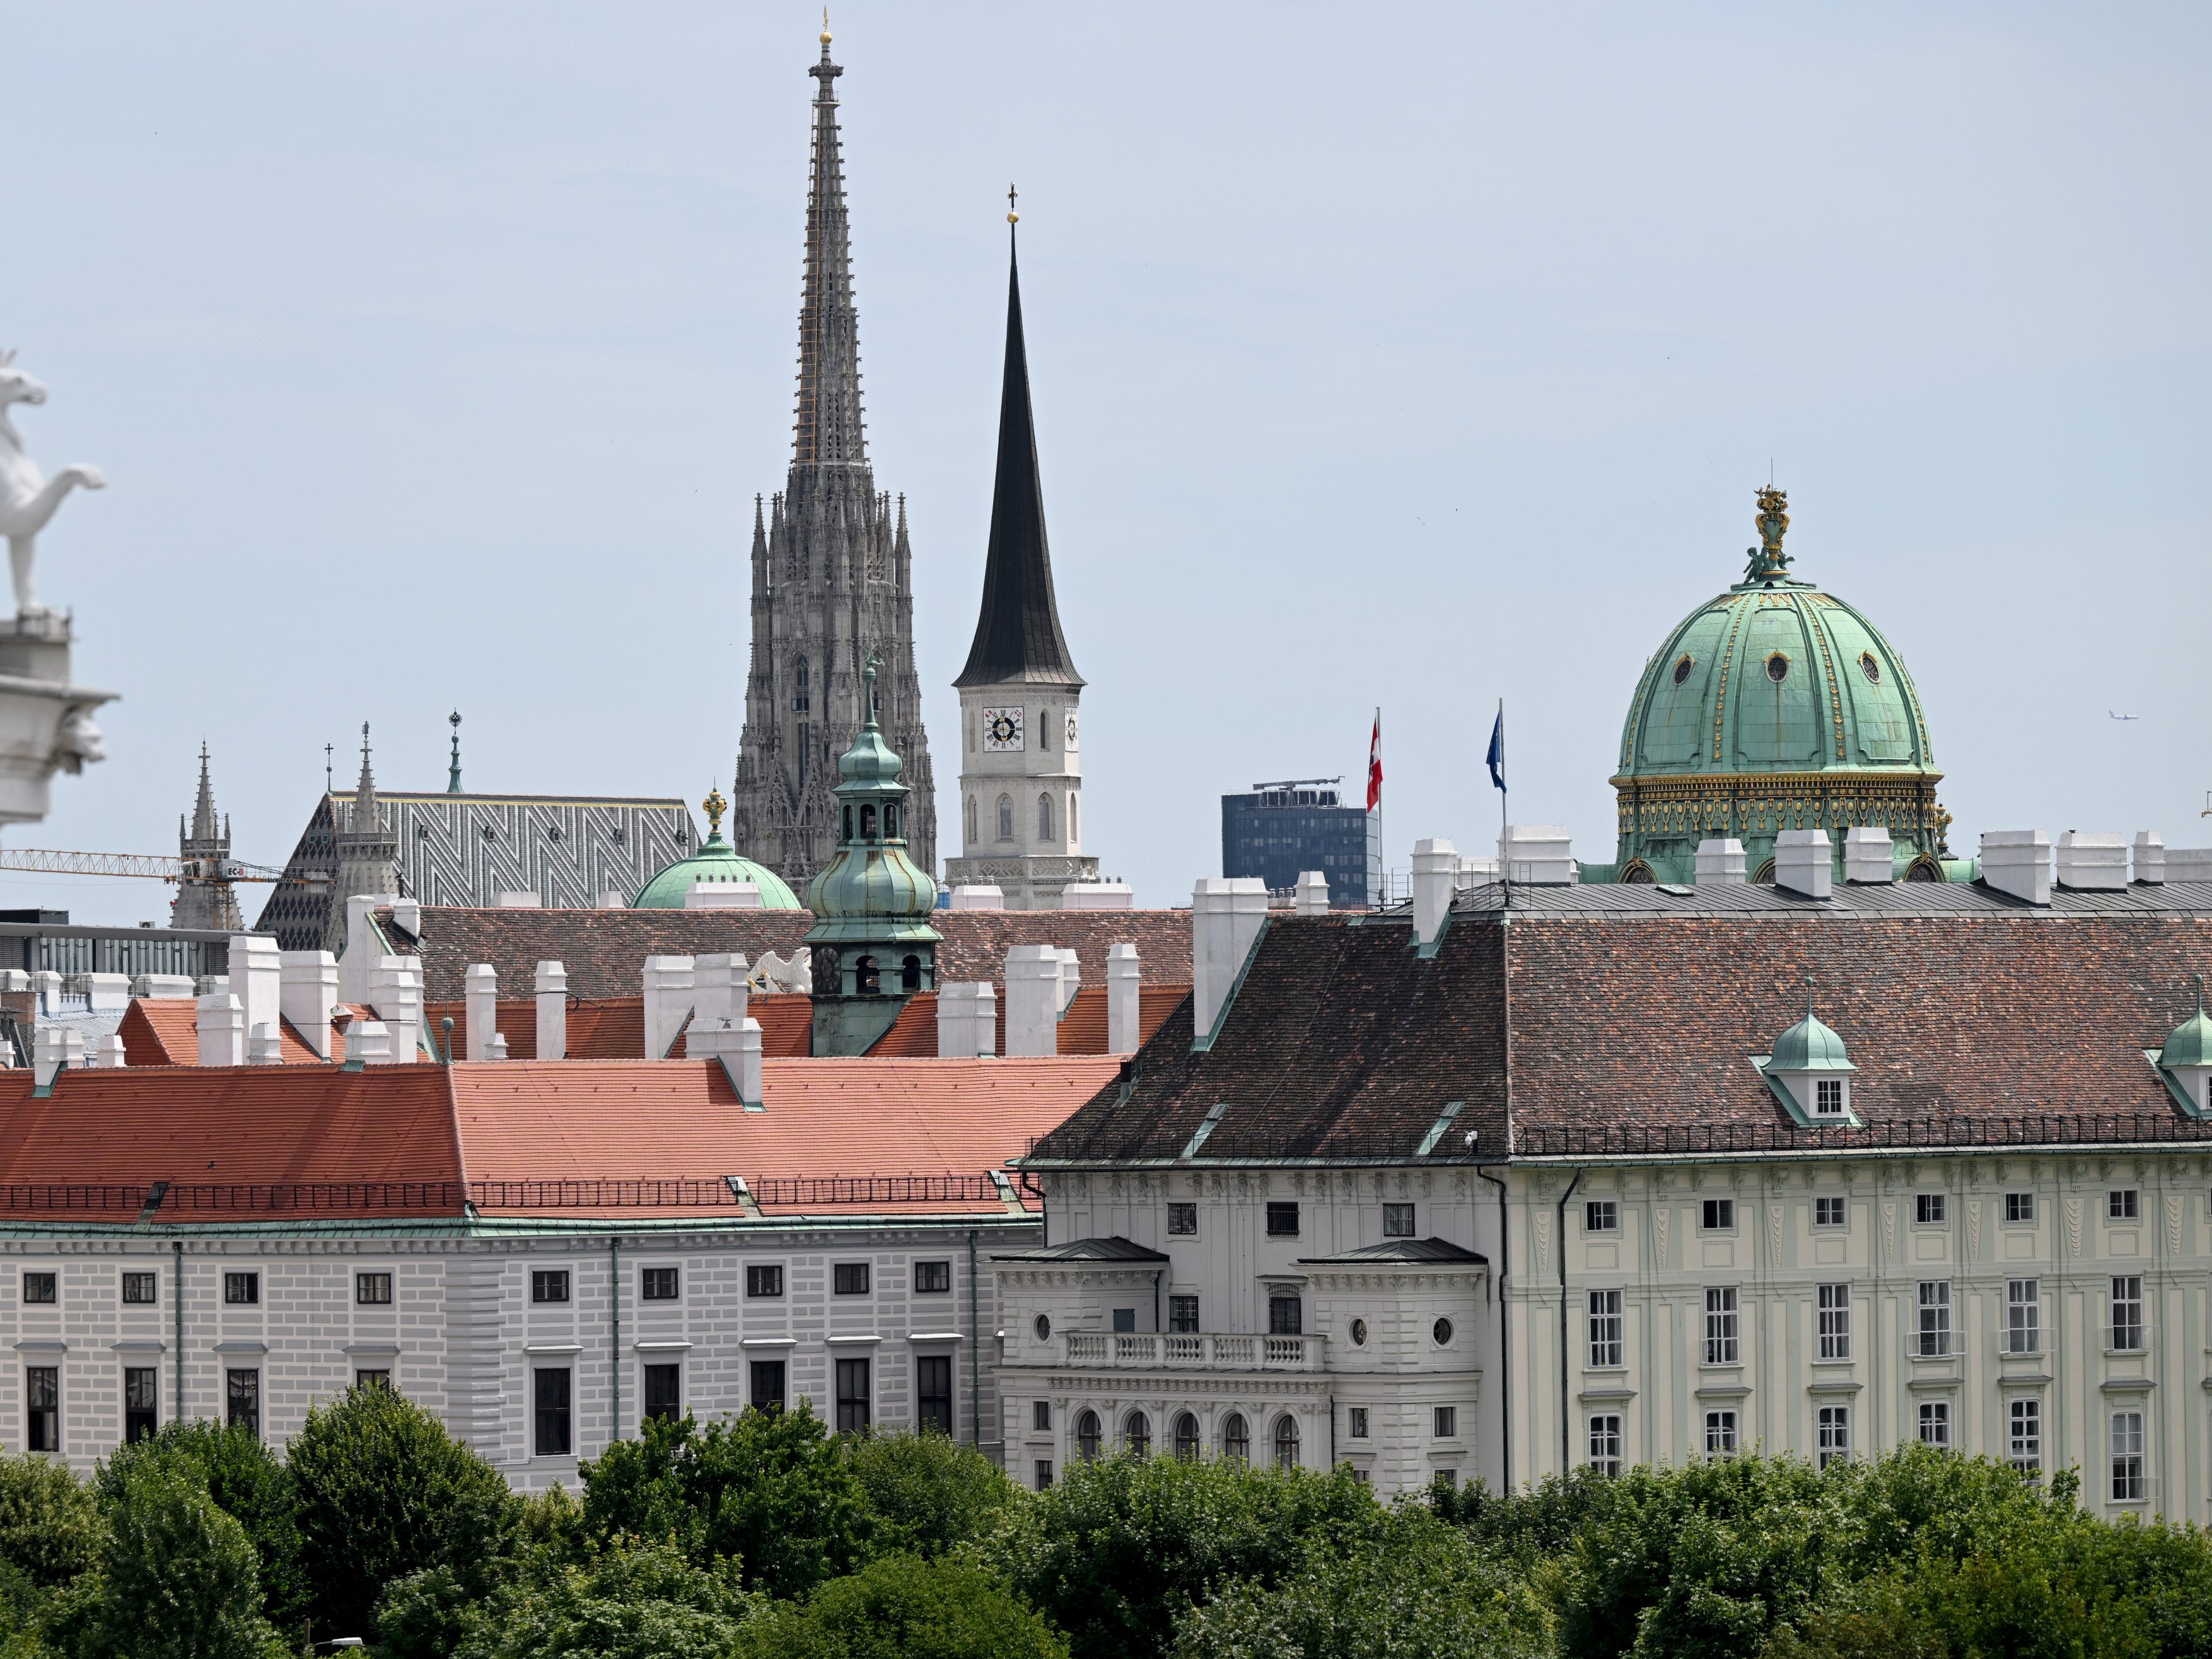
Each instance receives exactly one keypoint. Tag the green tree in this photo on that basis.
(932, 1493)
(632, 1601)
(772, 1490)
(903, 1606)
(384, 1491)
(1120, 1548)
(51, 1528)
(177, 1580)
(245, 1480)
(1417, 1589)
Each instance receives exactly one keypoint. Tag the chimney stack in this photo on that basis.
(737, 1049)
(395, 991)
(2093, 860)
(668, 986)
(1537, 855)
(1097, 895)
(1804, 863)
(1226, 915)
(1436, 875)
(107, 1052)
(263, 1045)
(719, 993)
(1033, 982)
(967, 1020)
(307, 995)
(54, 1046)
(480, 1002)
(1310, 896)
(2018, 862)
(368, 1042)
(1721, 864)
(1124, 987)
(977, 897)
(1869, 860)
(2149, 858)
(552, 988)
(222, 1029)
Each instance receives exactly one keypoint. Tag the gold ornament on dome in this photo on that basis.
(714, 806)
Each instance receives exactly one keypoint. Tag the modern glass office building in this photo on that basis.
(1275, 830)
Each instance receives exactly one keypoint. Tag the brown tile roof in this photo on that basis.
(1632, 1032)
(605, 951)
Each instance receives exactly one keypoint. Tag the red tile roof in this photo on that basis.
(165, 1031)
(613, 1028)
(1082, 1028)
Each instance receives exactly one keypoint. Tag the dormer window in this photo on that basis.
(1828, 1097)
(2185, 1061)
(1808, 1073)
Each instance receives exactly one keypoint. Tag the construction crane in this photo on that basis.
(158, 867)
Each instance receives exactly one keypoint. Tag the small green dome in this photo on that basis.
(2191, 1044)
(1809, 1045)
(715, 860)
(871, 889)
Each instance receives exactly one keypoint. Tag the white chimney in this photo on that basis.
(1226, 915)
(48, 985)
(519, 901)
(363, 945)
(1033, 978)
(395, 991)
(980, 897)
(222, 1030)
(612, 898)
(737, 1049)
(368, 1042)
(406, 914)
(1537, 855)
(307, 994)
(1310, 896)
(2188, 864)
(1097, 895)
(2093, 860)
(1474, 873)
(2149, 848)
(2018, 862)
(207, 985)
(263, 1045)
(718, 994)
(722, 895)
(480, 1004)
(54, 1046)
(107, 1052)
(497, 1048)
(1436, 874)
(1804, 863)
(667, 1000)
(1867, 858)
(1721, 864)
(1124, 983)
(106, 994)
(170, 985)
(552, 988)
(1071, 977)
(967, 1020)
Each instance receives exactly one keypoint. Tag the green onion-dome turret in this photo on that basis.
(871, 889)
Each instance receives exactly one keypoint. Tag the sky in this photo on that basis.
(1412, 357)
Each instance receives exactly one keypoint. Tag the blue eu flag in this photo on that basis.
(1496, 756)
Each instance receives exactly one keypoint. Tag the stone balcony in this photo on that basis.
(1132, 1351)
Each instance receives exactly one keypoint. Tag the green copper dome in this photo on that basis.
(715, 860)
(1774, 705)
(1809, 1045)
(871, 889)
(2191, 1044)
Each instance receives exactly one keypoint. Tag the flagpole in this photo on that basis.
(1382, 874)
(1504, 869)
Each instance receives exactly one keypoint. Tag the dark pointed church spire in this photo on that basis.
(1017, 636)
(830, 423)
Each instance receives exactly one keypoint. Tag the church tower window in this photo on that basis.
(801, 700)
(867, 822)
(1074, 831)
(1005, 817)
(972, 820)
(1045, 817)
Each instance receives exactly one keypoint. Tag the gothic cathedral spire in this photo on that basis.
(831, 573)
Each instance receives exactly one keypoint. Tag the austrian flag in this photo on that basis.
(1375, 765)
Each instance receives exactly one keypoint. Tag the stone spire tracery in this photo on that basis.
(832, 572)
(204, 898)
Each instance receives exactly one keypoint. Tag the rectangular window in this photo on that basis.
(767, 1385)
(1182, 1316)
(1282, 1219)
(1605, 1443)
(372, 1290)
(850, 1278)
(659, 1284)
(141, 1287)
(1124, 1319)
(1828, 1212)
(933, 1277)
(2122, 1205)
(2023, 1316)
(378, 1379)
(1606, 1347)
(1041, 1416)
(932, 1392)
(1447, 1422)
(42, 1408)
(549, 1285)
(242, 1401)
(40, 1287)
(142, 1413)
(1835, 1428)
(551, 1410)
(1835, 1317)
(851, 1396)
(2023, 1436)
(1931, 1208)
(1182, 1219)
(664, 1392)
(1397, 1221)
(765, 1280)
(1720, 1433)
(1935, 1424)
(1933, 1338)
(1828, 1097)
(1358, 1426)
(241, 1290)
(1721, 1329)
(2128, 1312)
(1044, 1472)
(1718, 1215)
(1286, 1314)
(2019, 1206)
(2127, 1455)
(1601, 1215)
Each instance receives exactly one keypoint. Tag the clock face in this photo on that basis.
(1071, 728)
(1002, 728)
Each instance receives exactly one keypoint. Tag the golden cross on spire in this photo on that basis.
(1012, 217)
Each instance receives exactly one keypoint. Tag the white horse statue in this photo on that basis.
(27, 499)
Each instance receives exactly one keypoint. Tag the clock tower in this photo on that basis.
(1021, 770)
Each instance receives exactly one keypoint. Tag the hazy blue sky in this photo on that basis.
(1415, 356)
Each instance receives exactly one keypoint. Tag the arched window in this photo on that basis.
(910, 974)
(1005, 817)
(1286, 1441)
(972, 820)
(867, 977)
(867, 821)
(1237, 1438)
(891, 822)
(848, 823)
(801, 699)
(1137, 1434)
(1044, 728)
(1074, 819)
(1186, 1438)
(1086, 1434)
(1045, 817)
